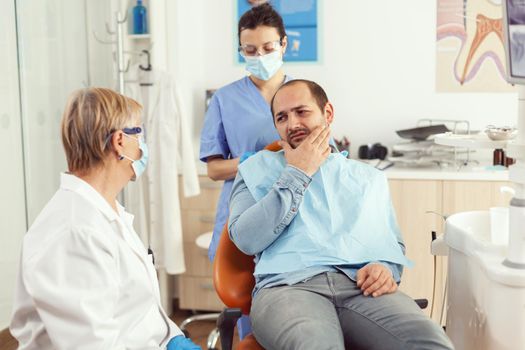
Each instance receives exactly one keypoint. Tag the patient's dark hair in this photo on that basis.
(315, 89)
(262, 15)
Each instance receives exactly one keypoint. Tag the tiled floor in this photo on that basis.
(198, 331)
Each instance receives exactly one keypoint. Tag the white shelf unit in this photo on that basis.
(475, 141)
(139, 36)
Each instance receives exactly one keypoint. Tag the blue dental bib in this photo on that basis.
(346, 216)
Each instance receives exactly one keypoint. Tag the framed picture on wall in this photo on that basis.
(300, 21)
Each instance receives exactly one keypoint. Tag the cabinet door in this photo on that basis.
(198, 293)
(500, 199)
(461, 196)
(412, 199)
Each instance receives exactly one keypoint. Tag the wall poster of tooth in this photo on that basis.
(300, 22)
(470, 55)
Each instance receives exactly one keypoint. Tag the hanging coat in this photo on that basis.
(154, 198)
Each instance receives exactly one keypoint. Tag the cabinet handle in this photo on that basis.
(207, 286)
(207, 219)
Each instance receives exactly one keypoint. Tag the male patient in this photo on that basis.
(328, 252)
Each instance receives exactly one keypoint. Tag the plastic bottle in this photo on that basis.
(140, 19)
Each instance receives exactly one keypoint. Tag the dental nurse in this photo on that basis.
(86, 280)
(239, 119)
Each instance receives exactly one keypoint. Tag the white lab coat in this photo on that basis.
(154, 198)
(86, 280)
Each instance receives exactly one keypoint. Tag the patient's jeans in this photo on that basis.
(329, 311)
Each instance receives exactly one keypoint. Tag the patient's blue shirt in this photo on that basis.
(296, 226)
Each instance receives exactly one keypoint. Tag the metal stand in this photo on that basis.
(213, 337)
(456, 123)
(516, 149)
(122, 67)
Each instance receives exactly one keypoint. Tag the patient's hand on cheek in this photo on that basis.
(311, 153)
(376, 279)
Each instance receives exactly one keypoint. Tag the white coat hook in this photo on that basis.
(125, 70)
(150, 46)
(102, 41)
(120, 19)
(109, 30)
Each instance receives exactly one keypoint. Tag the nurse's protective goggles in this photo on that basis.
(264, 49)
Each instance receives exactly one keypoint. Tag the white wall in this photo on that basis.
(377, 65)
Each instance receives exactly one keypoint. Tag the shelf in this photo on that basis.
(475, 141)
(138, 36)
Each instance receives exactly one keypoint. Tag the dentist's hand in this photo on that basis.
(311, 153)
(376, 279)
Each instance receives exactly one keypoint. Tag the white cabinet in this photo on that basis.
(196, 291)
(412, 199)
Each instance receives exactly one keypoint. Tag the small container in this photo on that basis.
(498, 157)
(140, 19)
(509, 161)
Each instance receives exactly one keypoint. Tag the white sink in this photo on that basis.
(486, 299)
(469, 232)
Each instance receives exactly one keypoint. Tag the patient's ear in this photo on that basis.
(329, 113)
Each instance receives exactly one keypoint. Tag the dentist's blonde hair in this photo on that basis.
(90, 118)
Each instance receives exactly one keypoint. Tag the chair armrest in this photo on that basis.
(226, 325)
(422, 303)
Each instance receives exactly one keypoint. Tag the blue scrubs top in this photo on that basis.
(238, 120)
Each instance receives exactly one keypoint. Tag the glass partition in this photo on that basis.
(12, 207)
(54, 50)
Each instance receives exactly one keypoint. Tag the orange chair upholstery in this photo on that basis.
(233, 280)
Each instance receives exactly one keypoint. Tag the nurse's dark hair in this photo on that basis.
(316, 91)
(90, 118)
(261, 15)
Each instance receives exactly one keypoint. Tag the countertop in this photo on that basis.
(473, 173)
(436, 173)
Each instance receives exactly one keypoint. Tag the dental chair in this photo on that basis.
(234, 282)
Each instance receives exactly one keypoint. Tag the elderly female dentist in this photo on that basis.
(86, 280)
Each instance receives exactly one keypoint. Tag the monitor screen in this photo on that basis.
(514, 33)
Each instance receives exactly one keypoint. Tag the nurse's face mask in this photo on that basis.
(263, 62)
(138, 165)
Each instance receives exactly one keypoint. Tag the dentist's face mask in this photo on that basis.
(264, 67)
(138, 165)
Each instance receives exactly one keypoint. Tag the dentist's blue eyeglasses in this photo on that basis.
(132, 131)
(128, 131)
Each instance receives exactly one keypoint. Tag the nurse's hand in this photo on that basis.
(182, 343)
(376, 279)
(311, 153)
